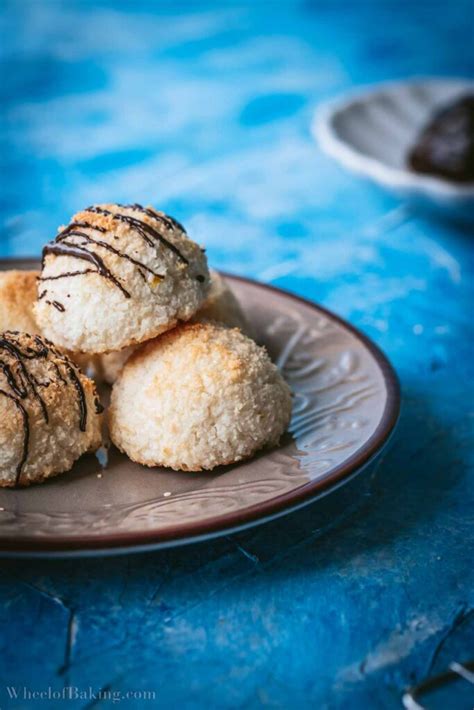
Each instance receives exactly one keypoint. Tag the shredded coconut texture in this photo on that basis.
(94, 315)
(53, 445)
(199, 396)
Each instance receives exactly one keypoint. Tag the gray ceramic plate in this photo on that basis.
(346, 403)
(371, 131)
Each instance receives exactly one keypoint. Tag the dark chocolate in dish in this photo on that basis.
(445, 147)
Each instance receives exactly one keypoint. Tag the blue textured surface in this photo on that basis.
(204, 111)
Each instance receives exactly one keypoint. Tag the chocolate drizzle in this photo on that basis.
(146, 231)
(59, 306)
(69, 231)
(26, 434)
(14, 358)
(81, 398)
(63, 276)
(21, 381)
(67, 244)
(165, 219)
(61, 247)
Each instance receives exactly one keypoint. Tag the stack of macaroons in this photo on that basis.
(126, 295)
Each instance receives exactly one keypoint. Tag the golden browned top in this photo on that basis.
(224, 353)
(17, 296)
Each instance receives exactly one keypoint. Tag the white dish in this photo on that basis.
(370, 132)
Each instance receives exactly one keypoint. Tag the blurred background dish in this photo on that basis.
(371, 132)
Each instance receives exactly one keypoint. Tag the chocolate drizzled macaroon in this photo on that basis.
(49, 411)
(118, 275)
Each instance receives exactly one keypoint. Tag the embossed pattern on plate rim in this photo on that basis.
(235, 520)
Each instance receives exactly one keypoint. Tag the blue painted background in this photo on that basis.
(203, 109)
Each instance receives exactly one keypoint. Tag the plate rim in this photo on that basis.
(357, 161)
(186, 533)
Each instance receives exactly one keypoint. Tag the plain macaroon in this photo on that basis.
(17, 297)
(197, 397)
(222, 305)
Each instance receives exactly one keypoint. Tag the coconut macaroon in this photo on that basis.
(109, 366)
(221, 305)
(17, 297)
(198, 397)
(49, 411)
(116, 276)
